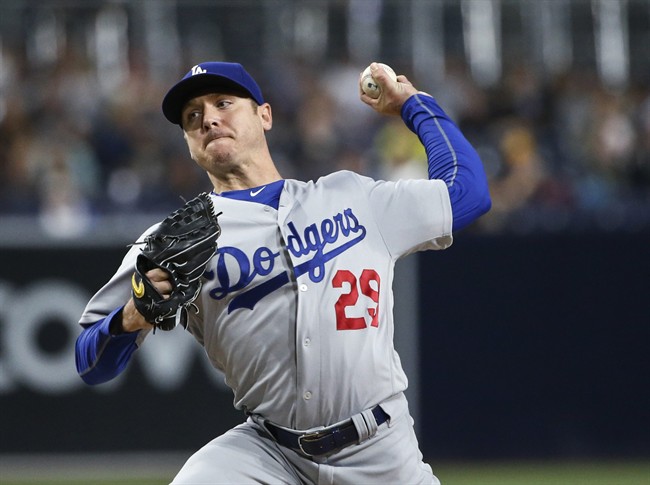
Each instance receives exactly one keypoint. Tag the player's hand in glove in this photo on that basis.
(181, 247)
(131, 320)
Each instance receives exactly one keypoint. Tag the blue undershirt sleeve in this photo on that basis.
(101, 356)
(450, 158)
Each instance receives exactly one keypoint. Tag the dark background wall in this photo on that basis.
(164, 401)
(530, 347)
(536, 346)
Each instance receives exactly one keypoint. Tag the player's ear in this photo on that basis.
(266, 115)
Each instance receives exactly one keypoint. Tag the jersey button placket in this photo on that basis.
(307, 355)
(306, 342)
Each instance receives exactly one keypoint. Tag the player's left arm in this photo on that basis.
(101, 352)
(112, 330)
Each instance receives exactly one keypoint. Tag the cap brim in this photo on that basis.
(181, 93)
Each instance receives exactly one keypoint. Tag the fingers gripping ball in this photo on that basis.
(368, 83)
(181, 245)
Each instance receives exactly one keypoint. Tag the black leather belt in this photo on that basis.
(323, 441)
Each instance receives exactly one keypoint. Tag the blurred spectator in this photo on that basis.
(562, 153)
(519, 176)
(641, 166)
(64, 211)
(401, 155)
(317, 138)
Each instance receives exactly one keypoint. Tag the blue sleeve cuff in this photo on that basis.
(101, 356)
(421, 104)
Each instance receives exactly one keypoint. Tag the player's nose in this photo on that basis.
(211, 118)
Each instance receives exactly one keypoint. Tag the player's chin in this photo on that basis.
(221, 148)
(216, 161)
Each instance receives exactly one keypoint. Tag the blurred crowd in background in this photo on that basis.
(563, 153)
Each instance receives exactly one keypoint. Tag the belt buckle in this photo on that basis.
(316, 435)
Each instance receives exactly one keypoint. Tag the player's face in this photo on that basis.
(225, 132)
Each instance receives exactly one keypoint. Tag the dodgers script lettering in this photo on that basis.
(318, 244)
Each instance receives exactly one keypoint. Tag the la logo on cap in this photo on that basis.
(198, 70)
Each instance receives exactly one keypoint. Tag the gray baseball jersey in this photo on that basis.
(296, 305)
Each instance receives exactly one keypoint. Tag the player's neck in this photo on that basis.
(246, 180)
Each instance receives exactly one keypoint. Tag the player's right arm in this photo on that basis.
(450, 156)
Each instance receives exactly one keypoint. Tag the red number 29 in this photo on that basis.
(350, 298)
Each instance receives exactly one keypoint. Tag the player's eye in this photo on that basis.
(191, 116)
(223, 103)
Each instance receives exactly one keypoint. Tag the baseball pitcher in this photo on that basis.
(287, 286)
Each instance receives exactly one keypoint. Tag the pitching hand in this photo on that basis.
(393, 93)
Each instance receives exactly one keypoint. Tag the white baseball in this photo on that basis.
(368, 83)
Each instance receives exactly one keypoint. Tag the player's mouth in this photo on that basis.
(215, 136)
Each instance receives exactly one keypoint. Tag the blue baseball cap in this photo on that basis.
(203, 77)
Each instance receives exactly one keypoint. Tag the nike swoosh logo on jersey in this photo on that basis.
(255, 192)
